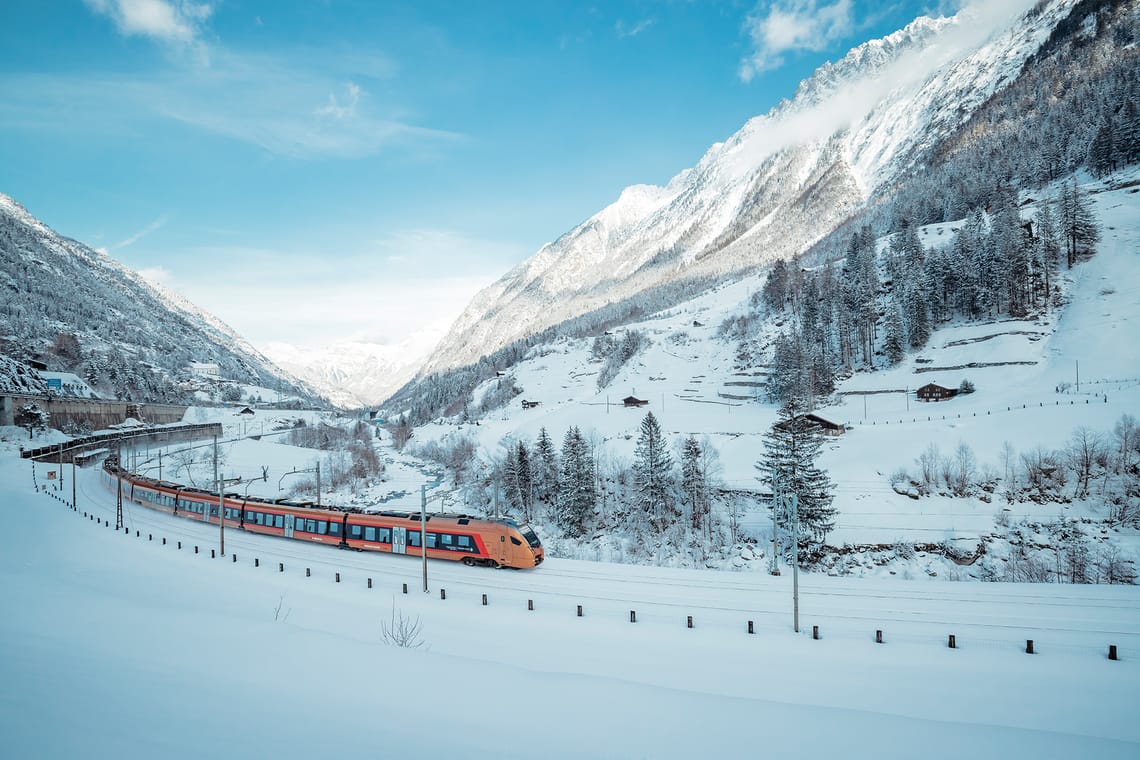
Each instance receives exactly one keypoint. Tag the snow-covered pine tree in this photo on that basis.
(577, 494)
(653, 475)
(791, 448)
(894, 341)
(695, 482)
(1078, 223)
(32, 418)
(544, 465)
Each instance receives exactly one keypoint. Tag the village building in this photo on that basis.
(935, 392)
(633, 401)
(818, 424)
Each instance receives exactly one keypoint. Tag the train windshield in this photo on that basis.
(529, 534)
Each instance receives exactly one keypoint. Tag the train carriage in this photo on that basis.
(460, 538)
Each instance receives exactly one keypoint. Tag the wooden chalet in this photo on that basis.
(817, 423)
(935, 392)
(529, 404)
(633, 401)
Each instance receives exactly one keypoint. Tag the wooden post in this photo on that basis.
(280, 567)
(1029, 646)
(1112, 651)
(405, 588)
(633, 616)
(443, 593)
(484, 600)
(689, 624)
(530, 605)
(879, 636)
(953, 644)
(213, 554)
(256, 562)
(149, 536)
(338, 577)
(164, 540)
(308, 573)
(579, 610)
(369, 583)
(195, 548)
(750, 628)
(815, 632)
(234, 557)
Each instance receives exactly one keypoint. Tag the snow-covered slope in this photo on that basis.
(694, 384)
(55, 285)
(775, 187)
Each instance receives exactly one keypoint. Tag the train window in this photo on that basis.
(334, 529)
(310, 526)
(384, 536)
(322, 527)
(354, 531)
(446, 539)
(259, 517)
(431, 540)
(249, 515)
(515, 541)
(413, 538)
(370, 533)
(279, 521)
(464, 541)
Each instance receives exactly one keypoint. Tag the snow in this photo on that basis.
(116, 646)
(688, 377)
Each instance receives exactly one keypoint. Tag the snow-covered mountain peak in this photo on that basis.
(774, 188)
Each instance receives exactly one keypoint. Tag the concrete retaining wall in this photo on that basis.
(95, 414)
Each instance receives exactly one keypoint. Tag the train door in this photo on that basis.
(288, 526)
(399, 540)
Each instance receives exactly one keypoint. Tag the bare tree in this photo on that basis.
(1081, 455)
(401, 631)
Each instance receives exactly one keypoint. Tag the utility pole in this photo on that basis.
(61, 465)
(221, 505)
(318, 483)
(73, 481)
(795, 564)
(1078, 376)
(119, 478)
(776, 501)
(160, 464)
(423, 530)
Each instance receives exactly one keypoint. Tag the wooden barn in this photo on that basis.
(815, 422)
(935, 392)
(633, 401)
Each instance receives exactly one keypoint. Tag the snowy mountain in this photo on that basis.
(134, 339)
(1026, 408)
(354, 374)
(770, 191)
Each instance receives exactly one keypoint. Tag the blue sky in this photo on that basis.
(323, 170)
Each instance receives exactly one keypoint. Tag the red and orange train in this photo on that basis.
(462, 538)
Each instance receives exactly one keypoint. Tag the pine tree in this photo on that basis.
(544, 464)
(577, 494)
(517, 478)
(695, 481)
(894, 342)
(653, 475)
(1078, 223)
(791, 448)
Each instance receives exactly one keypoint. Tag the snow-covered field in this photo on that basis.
(114, 645)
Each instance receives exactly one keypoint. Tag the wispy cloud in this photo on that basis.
(624, 30)
(131, 240)
(165, 20)
(793, 25)
(976, 22)
(296, 104)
